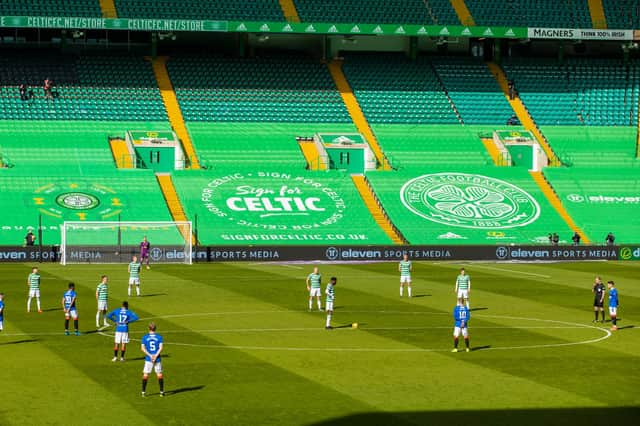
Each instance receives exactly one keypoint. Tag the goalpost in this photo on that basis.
(117, 242)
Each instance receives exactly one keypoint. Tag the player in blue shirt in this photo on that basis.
(122, 317)
(1, 311)
(613, 304)
(69, 307)
(461, 317)
(152, 347)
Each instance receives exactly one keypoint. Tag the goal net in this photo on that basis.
(117, 242)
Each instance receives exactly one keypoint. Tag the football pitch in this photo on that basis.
(242, 348)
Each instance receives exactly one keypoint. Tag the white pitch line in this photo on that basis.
(533, 274)
(567, 325)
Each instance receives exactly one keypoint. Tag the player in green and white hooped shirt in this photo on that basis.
(134, 275)
(102, 296)
(314, 288)
(405, 267)
(463, 287)
(328, 306)
(33, 282)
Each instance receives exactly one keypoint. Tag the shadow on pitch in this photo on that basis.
(583, 416)
(141, 358)
(478, 309)
(185, 389)
(17, 342)
(153, 295)
(51, 309)
(421, 295)
(480, 348)
(627, 326)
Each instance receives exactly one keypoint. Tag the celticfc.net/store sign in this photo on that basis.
(259, 27)
(274, 206)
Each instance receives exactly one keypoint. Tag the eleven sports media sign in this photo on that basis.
(469, 201)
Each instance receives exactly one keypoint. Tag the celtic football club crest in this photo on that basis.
(77, 201)
(469, 201)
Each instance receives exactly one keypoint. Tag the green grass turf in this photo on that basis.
(241, 347)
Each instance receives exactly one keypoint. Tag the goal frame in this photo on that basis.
(185, 228)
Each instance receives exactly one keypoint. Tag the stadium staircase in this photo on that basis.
(173, 201)
(376, 210)
(108, 9)
(463, 12)
(493, 151)
(289, 10)
(173, 109)
(598, 18)
(359, 119)
(553, 199)
(311, 154)
(121, 155)
(522, 113)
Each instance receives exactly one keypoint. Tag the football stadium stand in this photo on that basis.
(358, 11)
(594, 146)
(597, 92)
(280, 89)
(394, 89)
(77, 8)
(461, 205)
(85, 88)
(251, 10)
(416, 146)
(473, 90)
(601, 199)
(622, 13)
(236, 206)
(531, 13)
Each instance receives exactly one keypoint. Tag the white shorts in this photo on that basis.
(464, 294)
(1, 326)
(315, 292)
(122, 337)
(458, 330)
(34, 293)
(102, 305)
(405, 279)
(613, 310)
(73, 313)
(148, 366)
(133, 281)
(328, 306)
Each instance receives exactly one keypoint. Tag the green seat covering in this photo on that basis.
(76, 8)
(275, 89)
(601, 199)
(98, 88)
(243, 205)
(531, 13)
(251, 10)
(256, 144)
(593, 92)
(593, 146)
(622, 14)
(457, 205)
(417, 146)
(54, 158)
(390, 88)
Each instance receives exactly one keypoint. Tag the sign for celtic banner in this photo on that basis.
(273, 201)
(469, 201)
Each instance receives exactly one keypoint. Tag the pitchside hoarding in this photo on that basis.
(168, 254)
